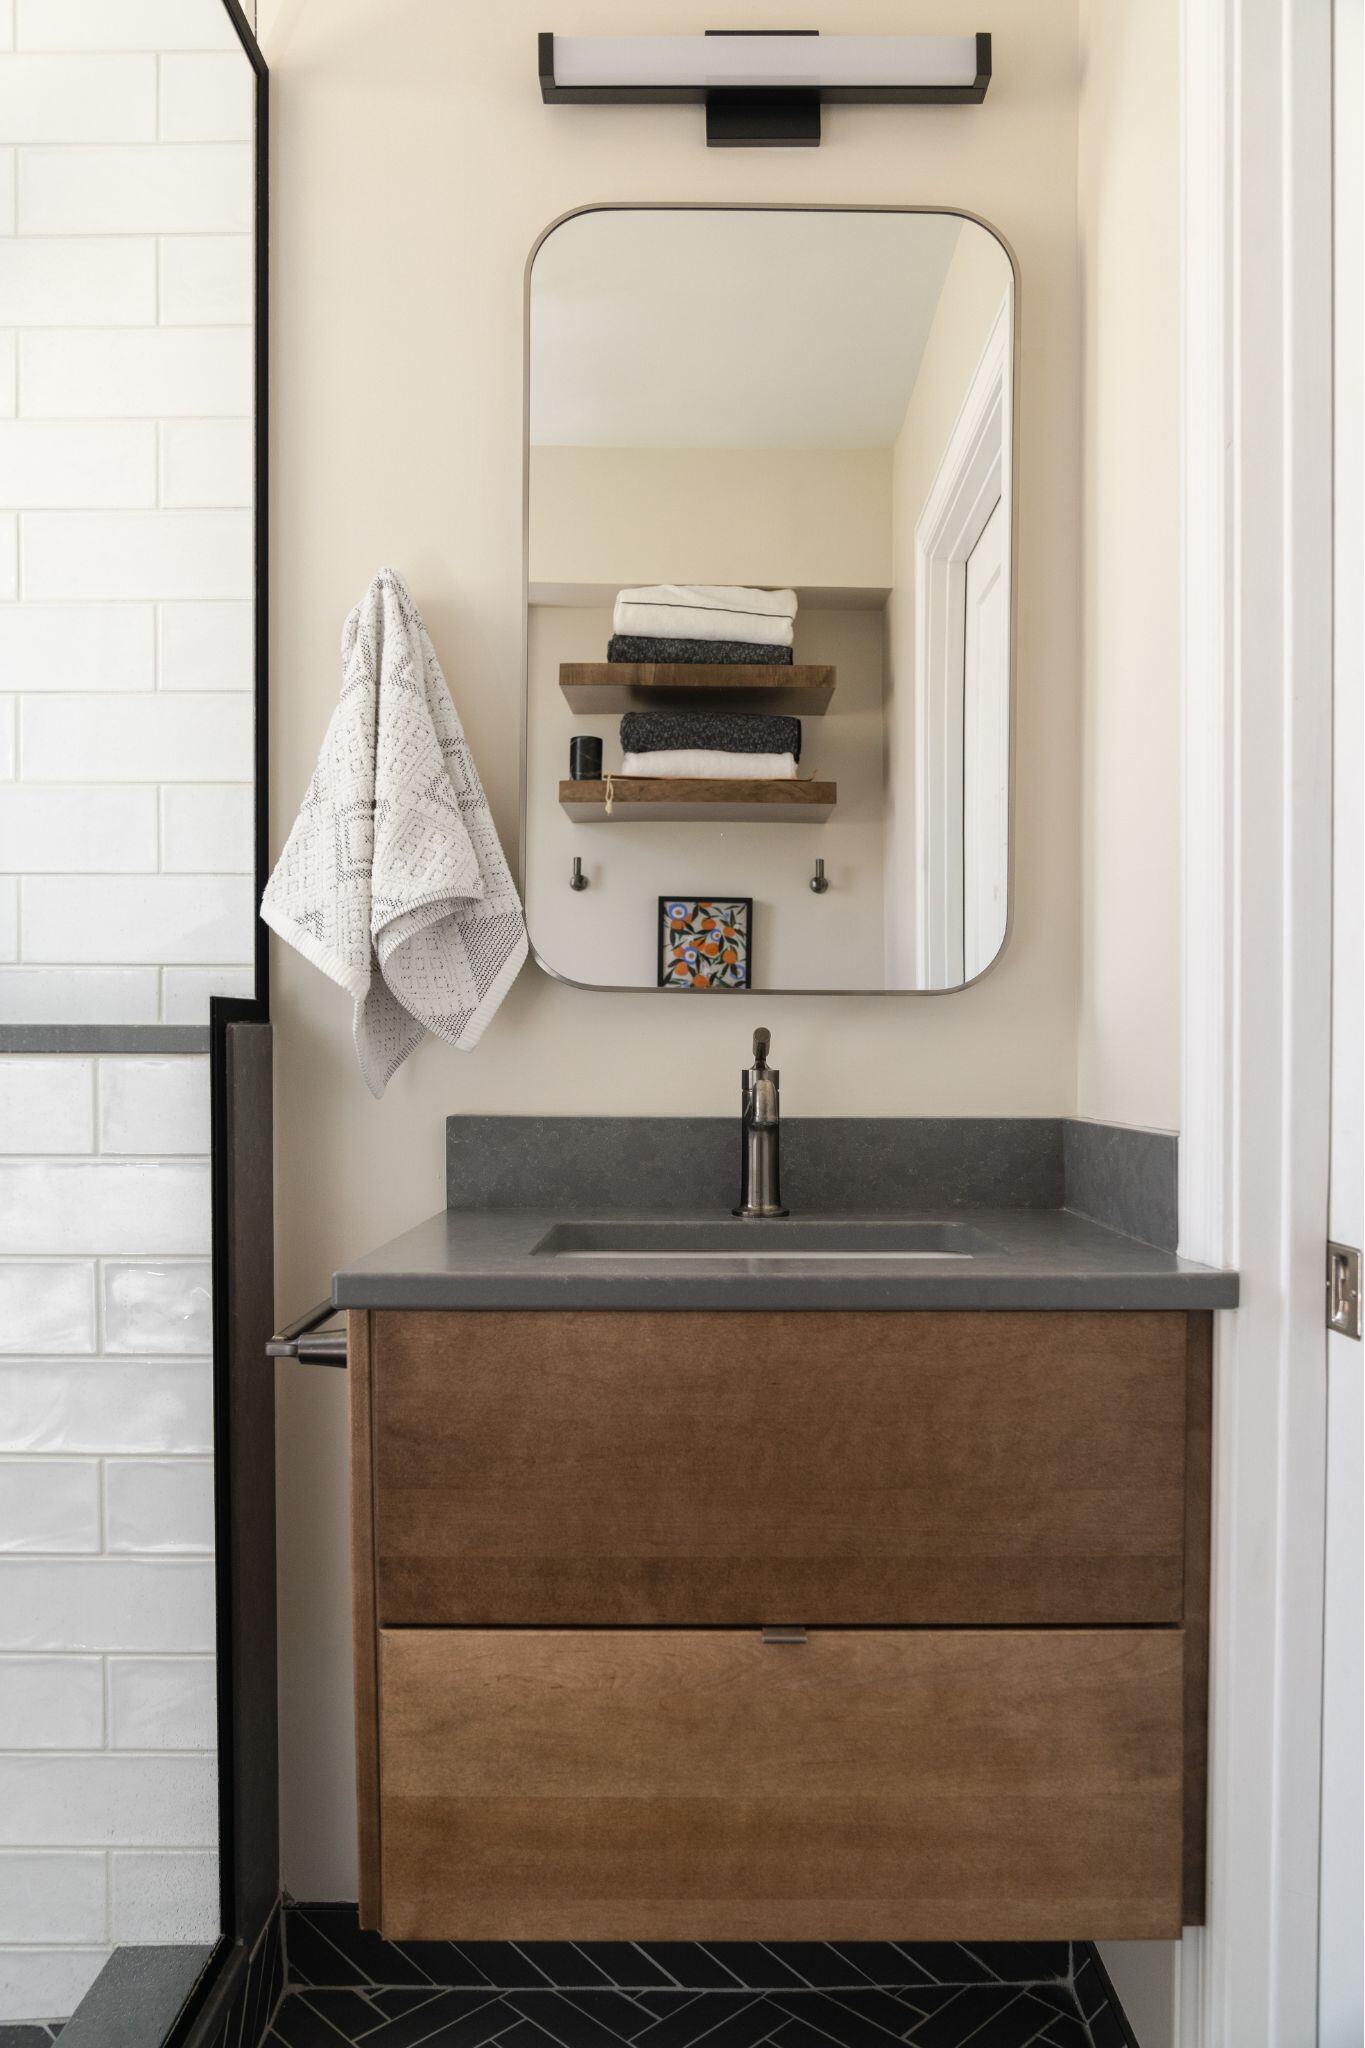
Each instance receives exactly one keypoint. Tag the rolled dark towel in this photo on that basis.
(635, 647)
(734, 732)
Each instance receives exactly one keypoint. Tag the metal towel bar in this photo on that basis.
(308, 1343)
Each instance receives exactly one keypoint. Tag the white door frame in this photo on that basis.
(973, 475)
(1256, 960)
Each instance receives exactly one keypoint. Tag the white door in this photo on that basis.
(1341, 1991)
(985, 750)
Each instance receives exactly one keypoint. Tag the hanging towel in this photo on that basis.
(691, 764)
(706, 611)
(393, 881)
(733, 732)
(641, 647)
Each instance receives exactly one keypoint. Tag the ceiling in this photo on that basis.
(708, 328)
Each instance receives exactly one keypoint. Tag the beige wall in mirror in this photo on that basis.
(815, 400)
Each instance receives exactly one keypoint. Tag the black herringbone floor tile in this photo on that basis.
(946, 1962)
(1105, 2031)
(326, 1946)
(564, 2019)
(392, 2000)
(1065, 2031)
(689, 1965)
(925, 2016)
(300, 2025)
(451, 2019)
(349, 2012)
(880, 1962)
(755, 1965)
(343, 1985)
(818, 1964)
(797, 2034)
(922, 1999)
(623, 2015)
(564, 1964)
(882, 2008)
(659, 2004)
(963, 2017)
(1017, 2025)
(506, 1964)
(1089, 1991)
(695, 2019)
(1024, 1962)
(751, 2024)
(622, 1963)
(840, 2021)
(443, 1963)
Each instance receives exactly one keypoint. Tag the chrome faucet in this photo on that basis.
(760, 1193)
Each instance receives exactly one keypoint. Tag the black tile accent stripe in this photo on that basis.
(344, 1986)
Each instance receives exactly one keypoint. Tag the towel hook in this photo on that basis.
(578, 880)
(818, 881)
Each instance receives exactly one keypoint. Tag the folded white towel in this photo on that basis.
(706, 611)
(710, 764)
(393, 881)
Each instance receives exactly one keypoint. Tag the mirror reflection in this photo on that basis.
(769, 554)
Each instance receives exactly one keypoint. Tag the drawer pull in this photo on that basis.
(779, 1636)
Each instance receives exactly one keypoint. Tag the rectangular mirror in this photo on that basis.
(786, 433)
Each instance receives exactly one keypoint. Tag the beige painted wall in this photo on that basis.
(413, 167)
(974, 286)
(1128, 1061)
(766, 517)
(1128, 1067)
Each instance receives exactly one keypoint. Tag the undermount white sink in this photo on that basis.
(776, 1238)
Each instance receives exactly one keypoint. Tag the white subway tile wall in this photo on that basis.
(126, 488)
(107, 1678)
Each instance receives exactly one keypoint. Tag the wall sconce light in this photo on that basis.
(764, 90)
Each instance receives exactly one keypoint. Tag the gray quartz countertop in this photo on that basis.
(1034, 1259)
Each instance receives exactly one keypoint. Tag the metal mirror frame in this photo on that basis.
(760, 206)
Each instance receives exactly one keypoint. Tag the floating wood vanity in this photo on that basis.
(851, 1625)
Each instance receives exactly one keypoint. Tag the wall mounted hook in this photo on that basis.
(819, 881)
(578, 880)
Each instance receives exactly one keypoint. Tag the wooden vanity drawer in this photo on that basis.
(865, 1785)
(730, 1469)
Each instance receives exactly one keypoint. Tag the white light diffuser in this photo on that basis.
(814, 62)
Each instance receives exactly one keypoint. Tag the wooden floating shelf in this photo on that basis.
(801, 687)
(659, 800)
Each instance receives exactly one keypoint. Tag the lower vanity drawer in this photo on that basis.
(863, 1785)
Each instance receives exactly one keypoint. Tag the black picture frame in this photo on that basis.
(744, 903)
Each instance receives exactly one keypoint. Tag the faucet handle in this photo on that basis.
(762, 1042)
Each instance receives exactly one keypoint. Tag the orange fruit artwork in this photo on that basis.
(705, 943)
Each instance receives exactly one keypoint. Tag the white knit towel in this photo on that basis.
(710, 764)
(706, 611)
(393, 881)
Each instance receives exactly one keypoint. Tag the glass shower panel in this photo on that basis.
(127, 560)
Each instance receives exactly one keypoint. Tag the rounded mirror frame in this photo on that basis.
(758, 206)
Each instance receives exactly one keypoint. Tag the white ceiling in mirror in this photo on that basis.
(708, 328)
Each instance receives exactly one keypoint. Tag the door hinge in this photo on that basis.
(1343, 1289)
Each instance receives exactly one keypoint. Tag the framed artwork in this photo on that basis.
(705, 942)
